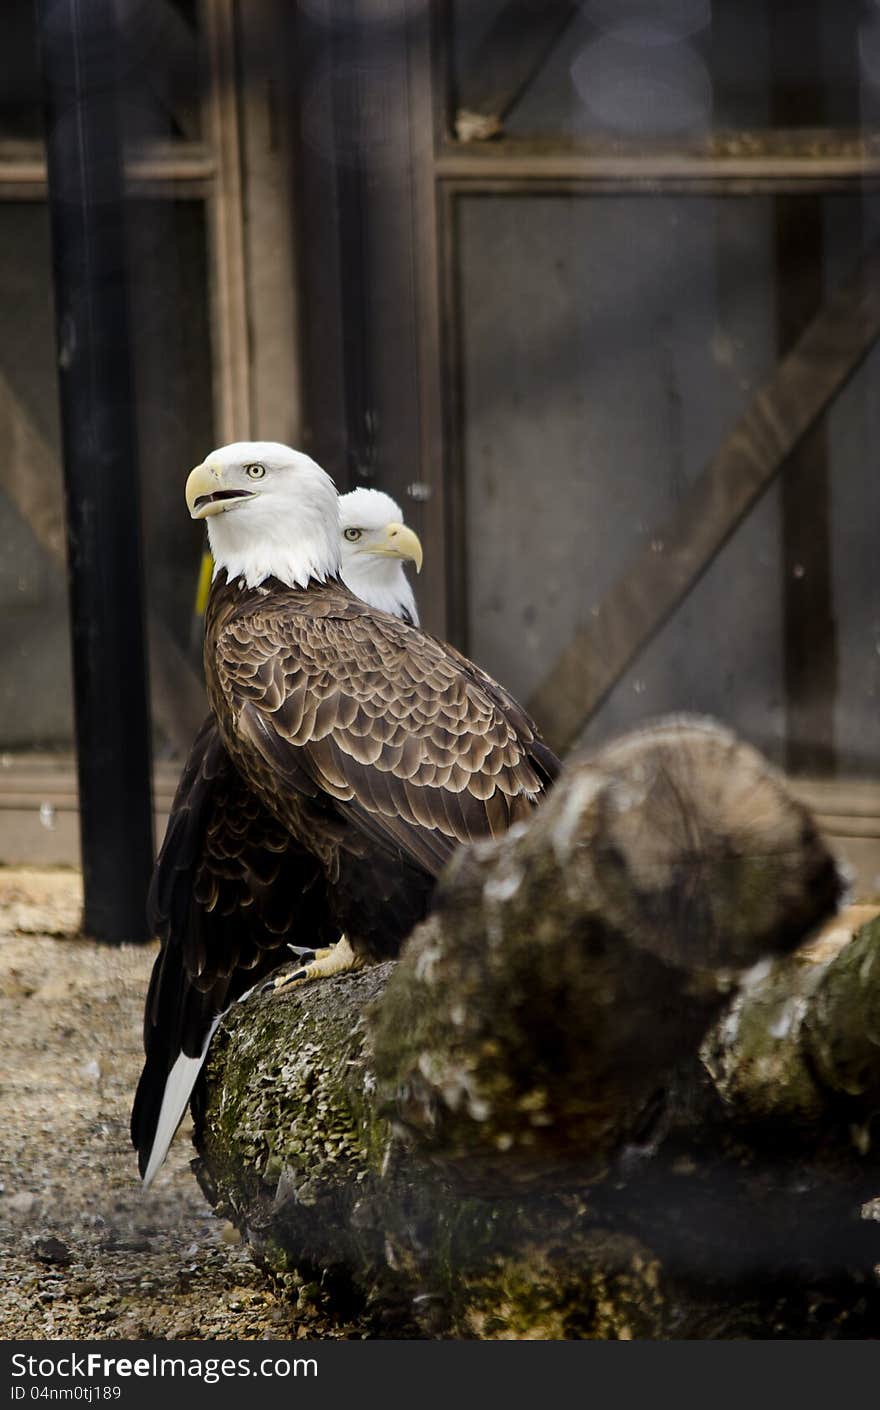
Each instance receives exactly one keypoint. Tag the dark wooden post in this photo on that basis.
(79, 49)
(810, 647)
(361, 127)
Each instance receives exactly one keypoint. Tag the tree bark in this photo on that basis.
(598, 1096)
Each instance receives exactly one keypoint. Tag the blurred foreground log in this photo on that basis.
(600, 1095)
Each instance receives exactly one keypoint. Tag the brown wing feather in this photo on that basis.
(223, 856)
(231, 887)
(418, 747)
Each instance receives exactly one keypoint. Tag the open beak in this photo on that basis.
(398, 542)
(206, 494)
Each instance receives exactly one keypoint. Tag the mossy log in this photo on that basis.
(600, 1095)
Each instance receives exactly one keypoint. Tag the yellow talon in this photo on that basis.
(337, 959)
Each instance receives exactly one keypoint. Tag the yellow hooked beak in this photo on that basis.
(397, 542)
(207, 495)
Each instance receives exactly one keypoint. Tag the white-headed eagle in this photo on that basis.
(375, 544)
(347, 755)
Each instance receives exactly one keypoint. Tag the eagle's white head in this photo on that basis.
(375, 545)
(271, 512)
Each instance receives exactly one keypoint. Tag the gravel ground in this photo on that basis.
(84, 1252)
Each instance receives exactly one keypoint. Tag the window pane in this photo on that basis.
(161, 64)
(638, 70)
(172, 363)
(609, 346)
(172, 366)
(35, 696)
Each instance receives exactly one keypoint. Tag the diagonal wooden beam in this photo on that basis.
(803, 385)
(508, 57)
(30, 477)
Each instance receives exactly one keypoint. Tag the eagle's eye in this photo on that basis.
(255, 471)
(353, 534)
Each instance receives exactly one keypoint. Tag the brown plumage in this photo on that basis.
(347, 756)
(328, 708)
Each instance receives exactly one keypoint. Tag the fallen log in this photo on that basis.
(512, 1133)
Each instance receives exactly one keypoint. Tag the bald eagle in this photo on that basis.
(375, 543)
(226, 897)
(346, 757)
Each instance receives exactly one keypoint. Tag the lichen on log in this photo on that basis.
(800, 1043)
(500, 1134)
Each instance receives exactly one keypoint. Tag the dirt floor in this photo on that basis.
(84, 1252)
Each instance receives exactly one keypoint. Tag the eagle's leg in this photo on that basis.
(309, 956)
(338, 959)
